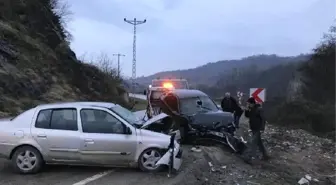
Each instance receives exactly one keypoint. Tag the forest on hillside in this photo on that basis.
(299, 95)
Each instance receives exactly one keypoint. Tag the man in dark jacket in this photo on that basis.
(229, 104)
(257, 124)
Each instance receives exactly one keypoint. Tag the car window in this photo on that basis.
(43, 119)
(156, 95)
(58, 119)
(189, 105)
(208, 103)
(64, 119)
(99, 121)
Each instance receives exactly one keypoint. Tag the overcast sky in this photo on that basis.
(182, 34)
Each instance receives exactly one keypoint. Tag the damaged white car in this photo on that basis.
(85, 133)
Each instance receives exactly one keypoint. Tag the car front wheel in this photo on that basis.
(27, 160)
(148, 159)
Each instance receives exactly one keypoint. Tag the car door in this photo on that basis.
(56, 132)
(104, 139)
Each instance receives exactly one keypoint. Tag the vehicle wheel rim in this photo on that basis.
(150, 158)
(26, 160)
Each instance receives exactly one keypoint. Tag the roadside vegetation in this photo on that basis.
(299, 94)
(139, 104)
(37, 64)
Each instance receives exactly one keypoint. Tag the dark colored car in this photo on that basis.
(199, 119)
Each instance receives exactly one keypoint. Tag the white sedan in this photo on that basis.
(85, 133)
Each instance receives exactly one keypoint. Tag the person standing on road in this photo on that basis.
(257, 122)
(229, 104)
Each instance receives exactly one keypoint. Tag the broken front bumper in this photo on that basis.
(176, 160)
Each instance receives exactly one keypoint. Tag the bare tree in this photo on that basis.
(61, 9)
(103, 62)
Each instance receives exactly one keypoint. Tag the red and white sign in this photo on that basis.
(258, 94)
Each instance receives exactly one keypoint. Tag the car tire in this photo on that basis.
(150, 152)
(27, 160)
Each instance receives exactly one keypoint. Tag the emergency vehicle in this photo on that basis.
(157, 89)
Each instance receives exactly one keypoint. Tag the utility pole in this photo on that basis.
(134, 22)
(118, 55)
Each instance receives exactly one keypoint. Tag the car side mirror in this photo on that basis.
(128, 131)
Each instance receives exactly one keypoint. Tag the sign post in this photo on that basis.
(259, 94)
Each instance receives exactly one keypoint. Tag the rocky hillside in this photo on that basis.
(37, 64)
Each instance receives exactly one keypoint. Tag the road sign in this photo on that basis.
(258, 94)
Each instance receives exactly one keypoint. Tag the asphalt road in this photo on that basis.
(51, 175)
(78, 175)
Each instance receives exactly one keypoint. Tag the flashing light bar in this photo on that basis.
(168, 85)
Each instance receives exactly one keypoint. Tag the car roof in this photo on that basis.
(74, 104)
(185, 93)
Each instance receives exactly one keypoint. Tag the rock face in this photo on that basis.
(37, 64)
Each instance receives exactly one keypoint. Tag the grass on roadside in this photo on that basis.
(140, 105)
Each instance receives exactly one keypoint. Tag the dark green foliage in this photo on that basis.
(275, 80)
(317, 109)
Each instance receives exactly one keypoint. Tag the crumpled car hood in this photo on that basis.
(154, 119)
(160, 136)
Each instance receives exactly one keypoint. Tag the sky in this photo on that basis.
(182, 34)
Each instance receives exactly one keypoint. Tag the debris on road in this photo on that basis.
(295, 153)
(303, 181)
(196, 149)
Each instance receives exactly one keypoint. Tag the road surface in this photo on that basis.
(66, 175)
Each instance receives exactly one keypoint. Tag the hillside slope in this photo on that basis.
(36, 63)
(211, 72)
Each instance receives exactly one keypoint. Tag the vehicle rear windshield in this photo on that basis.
(156, 94)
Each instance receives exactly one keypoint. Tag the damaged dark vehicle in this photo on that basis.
(197, 118)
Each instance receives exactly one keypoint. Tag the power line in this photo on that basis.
(118, 55)
(134, 22)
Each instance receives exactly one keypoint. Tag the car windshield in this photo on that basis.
(129, 116)
(188, 106)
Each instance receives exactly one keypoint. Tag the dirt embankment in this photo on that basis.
(295, 154)
(37, 64)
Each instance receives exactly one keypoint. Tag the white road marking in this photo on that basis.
(93, 178)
